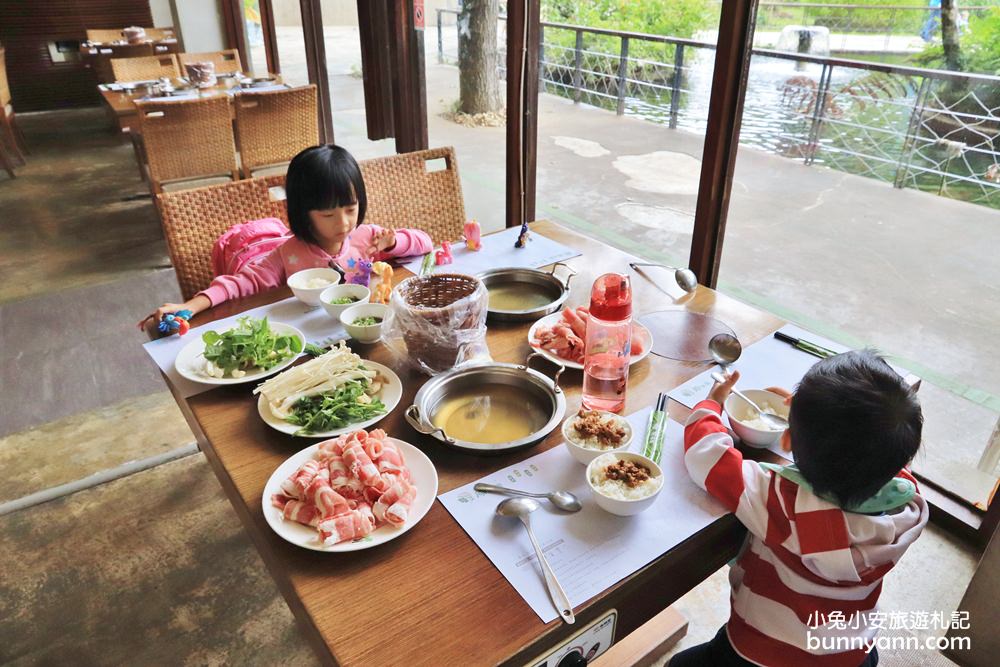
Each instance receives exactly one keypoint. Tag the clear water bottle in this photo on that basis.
(609, 343)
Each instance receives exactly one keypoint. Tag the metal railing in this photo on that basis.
(928, 129)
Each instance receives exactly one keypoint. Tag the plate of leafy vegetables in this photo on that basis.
(248, 352)
(335, 393)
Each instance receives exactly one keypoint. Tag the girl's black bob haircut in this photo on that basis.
(321, 178)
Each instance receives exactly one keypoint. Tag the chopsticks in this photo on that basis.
(805, 345)
(656, 430)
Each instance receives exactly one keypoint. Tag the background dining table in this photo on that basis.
(431, 596)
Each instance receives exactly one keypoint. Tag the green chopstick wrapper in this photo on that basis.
(656, 431)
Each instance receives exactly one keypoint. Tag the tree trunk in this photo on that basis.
(479, 88)
(949, 35)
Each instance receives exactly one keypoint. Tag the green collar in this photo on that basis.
(896, 493)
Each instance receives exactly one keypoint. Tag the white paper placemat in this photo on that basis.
(498, 251)
(589, 550)
(317, 326)
(767, 363)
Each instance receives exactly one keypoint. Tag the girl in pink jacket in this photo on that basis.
(326, 208)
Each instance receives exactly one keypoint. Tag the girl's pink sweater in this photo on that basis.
(273, 269)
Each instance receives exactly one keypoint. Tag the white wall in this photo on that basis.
(200, 25)
(160, 9)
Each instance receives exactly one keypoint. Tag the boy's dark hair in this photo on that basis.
(854, 424)
(320, 178)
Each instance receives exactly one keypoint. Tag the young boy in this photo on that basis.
(822, 532)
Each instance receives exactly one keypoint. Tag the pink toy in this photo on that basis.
(472, 235)
(443, 256)
(358, 273)
(384, 288)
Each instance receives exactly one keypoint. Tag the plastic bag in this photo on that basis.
(438, 322)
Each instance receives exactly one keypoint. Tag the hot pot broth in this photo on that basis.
(517, 295)
(490, 413)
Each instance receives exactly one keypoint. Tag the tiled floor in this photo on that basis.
(154, 568)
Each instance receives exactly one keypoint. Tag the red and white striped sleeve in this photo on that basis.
(718, 467)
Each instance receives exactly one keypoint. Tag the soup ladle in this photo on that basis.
(563, 500)
(521, 508)
(725, 349)
(684, 278)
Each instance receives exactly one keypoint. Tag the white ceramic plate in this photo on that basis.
(422, 474)
(190, 359)
(392, 391)
(552, 318)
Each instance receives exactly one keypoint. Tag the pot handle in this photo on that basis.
(412, 415)
(555, 380)
(569, 273)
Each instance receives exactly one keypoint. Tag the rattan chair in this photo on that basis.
(273, 126)
(145, 69)
(401, 193)
(194, 219)
(187, 139)
(226, 62)
(104, 35)
(18, 146)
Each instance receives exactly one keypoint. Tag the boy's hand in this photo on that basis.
(384, 239)
(781, 391)
(720, 391)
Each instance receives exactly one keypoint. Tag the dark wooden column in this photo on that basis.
(523, 29)
(409, 86)
(236, 33)
(732, 62)
(376, 67)
(270, 36)
(312, 28)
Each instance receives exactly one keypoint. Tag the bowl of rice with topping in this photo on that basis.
(747, 423)
(590, 433)
(624, 483)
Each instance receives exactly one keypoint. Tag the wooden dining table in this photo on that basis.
(121, 107)
(431, 597)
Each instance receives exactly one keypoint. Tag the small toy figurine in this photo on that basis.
(175, 323)
(443, 256)
(472, 235)
(358, 273)
(522, 238)
(384, 272)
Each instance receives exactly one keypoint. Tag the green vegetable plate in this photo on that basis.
(248, 352)
(390, 394)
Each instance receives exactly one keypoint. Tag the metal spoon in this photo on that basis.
(775, 421)
(685, 278)
(521, 508)
(563, 500)
(725, 349)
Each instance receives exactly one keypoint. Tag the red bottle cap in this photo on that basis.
(611, 297)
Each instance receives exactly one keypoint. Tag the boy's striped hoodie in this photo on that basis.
(805, 562)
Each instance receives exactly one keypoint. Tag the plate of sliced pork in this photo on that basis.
(561, 337)
(352, 492)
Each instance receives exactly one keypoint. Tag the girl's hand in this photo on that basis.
(384, 240)
(720, 391)
(195, 305)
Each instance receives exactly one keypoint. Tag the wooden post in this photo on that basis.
(270, 36)
(312, 31)
(409, 92)
(622, 75)
(577, 66)
(522, 109)
(725, 111)
(376, 67)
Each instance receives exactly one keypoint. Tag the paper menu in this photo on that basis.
(590, 550)
(314, 323)
(498, 251)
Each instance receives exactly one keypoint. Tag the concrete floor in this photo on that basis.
(154, 568)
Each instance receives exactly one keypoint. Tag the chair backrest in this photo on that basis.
(408, 190)
(226, 62)
(187, 139)
(104, 35)
(401, 193)
(160, 33)
(194, 219)
(145, 68)
(273, 126)
(4, 85)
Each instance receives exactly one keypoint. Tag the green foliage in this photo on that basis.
(883, 16)
(980, 46)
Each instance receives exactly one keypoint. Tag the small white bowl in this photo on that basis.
(359, 292)
(585, 454)
(624, 507)
(310, 295)
(368, 334)
(738, 411)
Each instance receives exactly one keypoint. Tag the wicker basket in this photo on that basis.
(439, 319)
